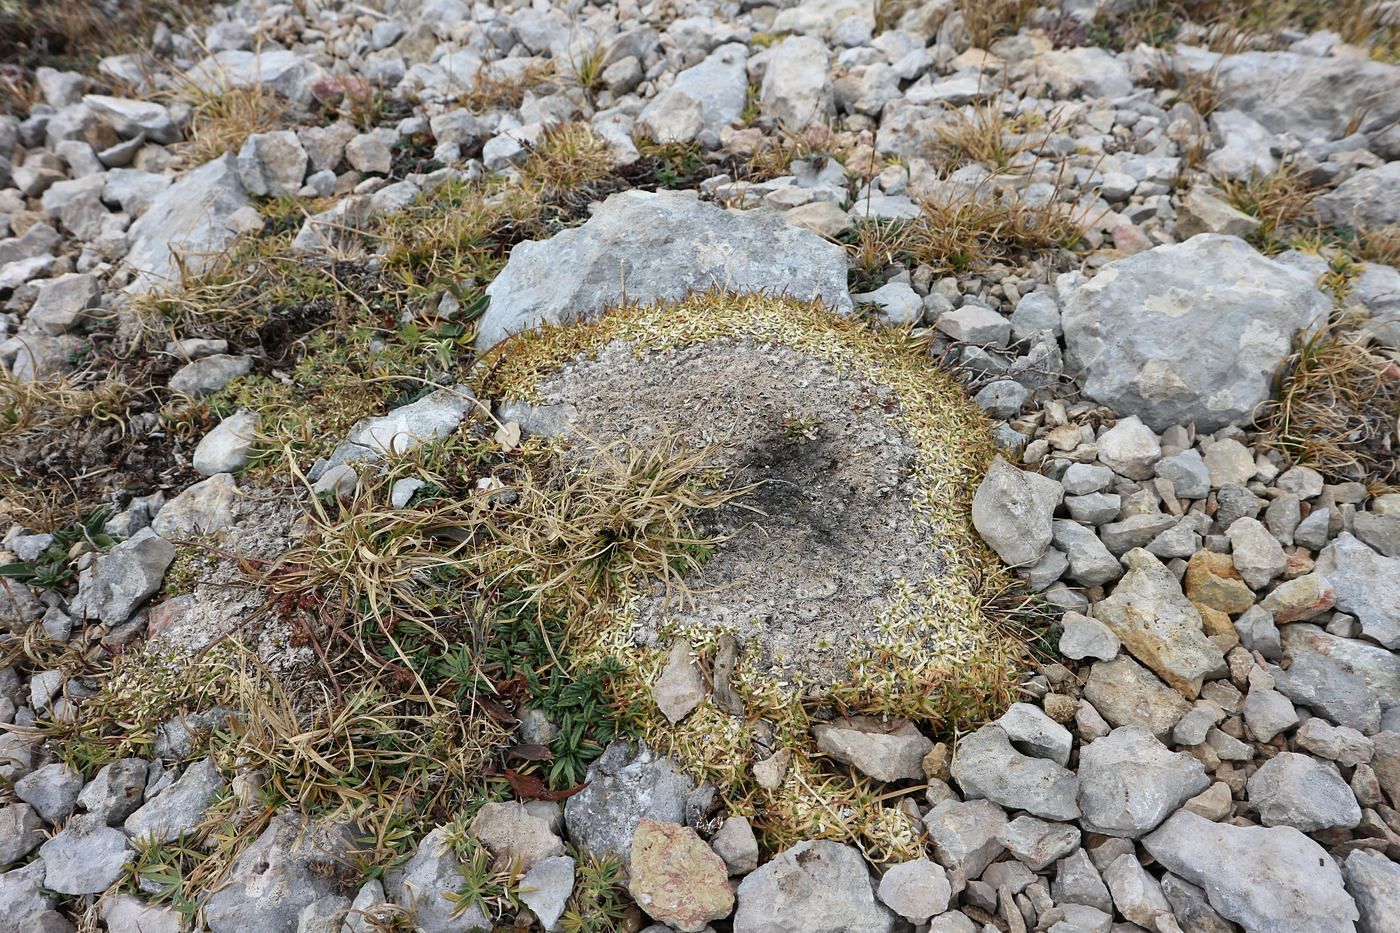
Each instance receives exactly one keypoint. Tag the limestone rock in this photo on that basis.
(873, 748)
(1129, 782)
(1374, 883)
(796, 90)
(813, 887)
(86, 858)
(125, 576)
(658, 246)
(187, 219)
(1299, 791)
(546, 889)
(178, 808)
(1366, 585)
(1159, 625)
(681, 686)
(1188, 333)
(514, 835)
(987, 765)
(1263, 879)
(916, 890)
(1013, 511)
(424, 884)
(701, 102)
(624, 787)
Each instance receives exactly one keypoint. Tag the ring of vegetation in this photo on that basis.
(936, 650)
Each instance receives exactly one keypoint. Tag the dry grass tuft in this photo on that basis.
(988, 20)
(493, 90)
(1338, 410)
(962, 231)
(220, 121)
(1281, 202)
(980, 133)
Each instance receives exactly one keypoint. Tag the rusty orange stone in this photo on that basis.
(677, 878)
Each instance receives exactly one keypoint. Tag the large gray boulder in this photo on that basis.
(1188, 333)
(1129, 782)
(814, 887)
(1266, 880)
(1314, 99)
(188, 220)
(655, 246)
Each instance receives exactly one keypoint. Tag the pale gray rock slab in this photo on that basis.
(1038, 843)
(796, 91)
(187, 219)
(51, 790)
(126, 913)
(209, 374)
(404, 429)
(882, 751)
(1130, 448)
(1129, 782)
(1264, 879)
(1034, 733)
(703, 99)
(205, 507)
(64, 303)
(986, 764)
(625, 786)
(546, 889)
(1090, 562)
(1299, 791)
(1312, 98)
(916, 890)
(228, 446)
(813, 887)
(123, 578)
(279, 70)
(1374, 883)
(179, 808)
(1086, 637)
(1126, 693)
(1369, 199)
(21, 832)
(680, 687)
(1188, 333)
(86, 858)
(1077, 881)
(1258, 556)
(1136, 894)
(735, 843)
(1366, 584)
(965, 834)
(117, 791)
(1345, 679)
(514, 834)
(658, 246)
(272, 164)
(22, 895)
(272, 881)
(423, 884)
(1267, 713)
(1013, 510)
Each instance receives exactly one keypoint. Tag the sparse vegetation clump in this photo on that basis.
(1338, 410)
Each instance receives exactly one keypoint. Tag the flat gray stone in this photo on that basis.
(658, 247)
(1263, 879)
(1190, 333)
